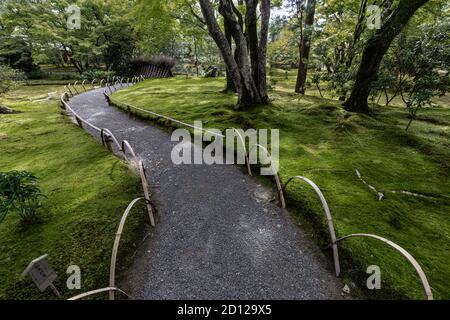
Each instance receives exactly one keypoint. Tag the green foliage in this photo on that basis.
(106, 34)
(340, 81)
(154, 25)
(17, 53)
(317, 80)
(9, 78)
(19, 193)
(340, 34)
(417, 67)
(96, 74)
(283, 51)
(87, 192)
(428, 57)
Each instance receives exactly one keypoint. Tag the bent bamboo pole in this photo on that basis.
(126, 146)
(64, 97)
(247, 158)
(112, 270)
(97, 291)
(275, 174)
(67, 106)
(406, 254)
(107, 136)
(140, 167)
(175, 121)
(144, 182)
(326, 208)
(75, 87)
(68, 87)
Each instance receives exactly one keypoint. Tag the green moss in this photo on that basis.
(321, 141)
(87, 191)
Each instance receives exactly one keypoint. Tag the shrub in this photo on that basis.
(96, 74)
(20, 193)
(36, 75)
(9, 78)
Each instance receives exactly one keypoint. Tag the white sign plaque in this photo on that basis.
(41, 273)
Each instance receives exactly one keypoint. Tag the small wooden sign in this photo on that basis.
(41, 273)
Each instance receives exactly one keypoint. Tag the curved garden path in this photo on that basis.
(216, 238)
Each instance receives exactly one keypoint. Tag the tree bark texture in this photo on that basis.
(305, 47)
(247, 66)
(374, 51)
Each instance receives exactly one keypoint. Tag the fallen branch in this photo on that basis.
(379, 194)
(417, 194)
(408, 193)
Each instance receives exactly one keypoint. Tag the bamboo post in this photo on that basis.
(275, 174)
(112, 269)
(75, 87)
(330, 223)
(82, 84)
(68, 87)
(406, 254)
(80, 123)
(108, 142)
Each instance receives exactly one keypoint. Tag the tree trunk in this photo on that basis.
(196, 57)
(251, 28)
(230, 87)
(250, 94)
(374, 52)
(262, 53)
(305, 47)
(246, 68)
(224, 47)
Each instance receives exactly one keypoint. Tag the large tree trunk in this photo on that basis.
(224, 47)
(230, 87)
(251, 28)
(250, 94)
(305, 47)
(262, 53)
(374, 52)
(245, 72)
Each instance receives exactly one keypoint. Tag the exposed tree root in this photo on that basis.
(382, 196)
(379, 194)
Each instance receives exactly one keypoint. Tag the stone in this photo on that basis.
(211, 72)
(53, 96)
(262, 194)
(6, 110)
(346, 289)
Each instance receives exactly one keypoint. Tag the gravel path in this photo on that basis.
(216, 238)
